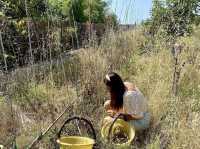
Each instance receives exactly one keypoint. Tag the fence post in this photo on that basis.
(176, 50)
(3, 51)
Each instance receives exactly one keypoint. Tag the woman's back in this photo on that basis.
(134, 102)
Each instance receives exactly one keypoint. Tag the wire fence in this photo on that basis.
(47, 39)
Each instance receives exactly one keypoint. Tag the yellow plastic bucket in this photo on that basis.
(75, 142)
(123, 126)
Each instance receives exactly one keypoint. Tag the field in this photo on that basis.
(35, 95)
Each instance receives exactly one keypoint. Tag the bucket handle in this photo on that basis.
(79, 119)
(119, 116)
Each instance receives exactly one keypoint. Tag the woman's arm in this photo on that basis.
(108, 108)
(114, 113)
(107, 105)
(129, 117)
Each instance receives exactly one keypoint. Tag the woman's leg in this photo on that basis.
(141, 124)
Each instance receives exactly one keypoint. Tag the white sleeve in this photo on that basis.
(132, 103)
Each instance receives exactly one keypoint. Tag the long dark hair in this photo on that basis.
(116, 88)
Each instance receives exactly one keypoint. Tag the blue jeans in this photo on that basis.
(141, 124)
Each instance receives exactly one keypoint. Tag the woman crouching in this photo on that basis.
(126, 99)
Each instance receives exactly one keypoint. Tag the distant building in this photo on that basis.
(125, 27)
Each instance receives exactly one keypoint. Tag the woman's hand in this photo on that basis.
(129, 117)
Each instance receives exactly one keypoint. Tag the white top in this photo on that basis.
(134, 103)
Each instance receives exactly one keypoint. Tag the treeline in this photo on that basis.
(94, 11)
(174, 18)
(35, 30)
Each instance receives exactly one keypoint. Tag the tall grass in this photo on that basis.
(40, 93)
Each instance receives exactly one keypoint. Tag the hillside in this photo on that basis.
(35, 96)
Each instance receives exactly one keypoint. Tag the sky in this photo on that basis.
(131, 11)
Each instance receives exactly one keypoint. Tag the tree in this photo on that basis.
(159, 15)
(94, 11)
(176, 16)
(15, 9)
(76, 11)
(17, 32)
(111, 20)
(59, 8)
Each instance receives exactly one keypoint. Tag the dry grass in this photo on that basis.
(41, 94)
